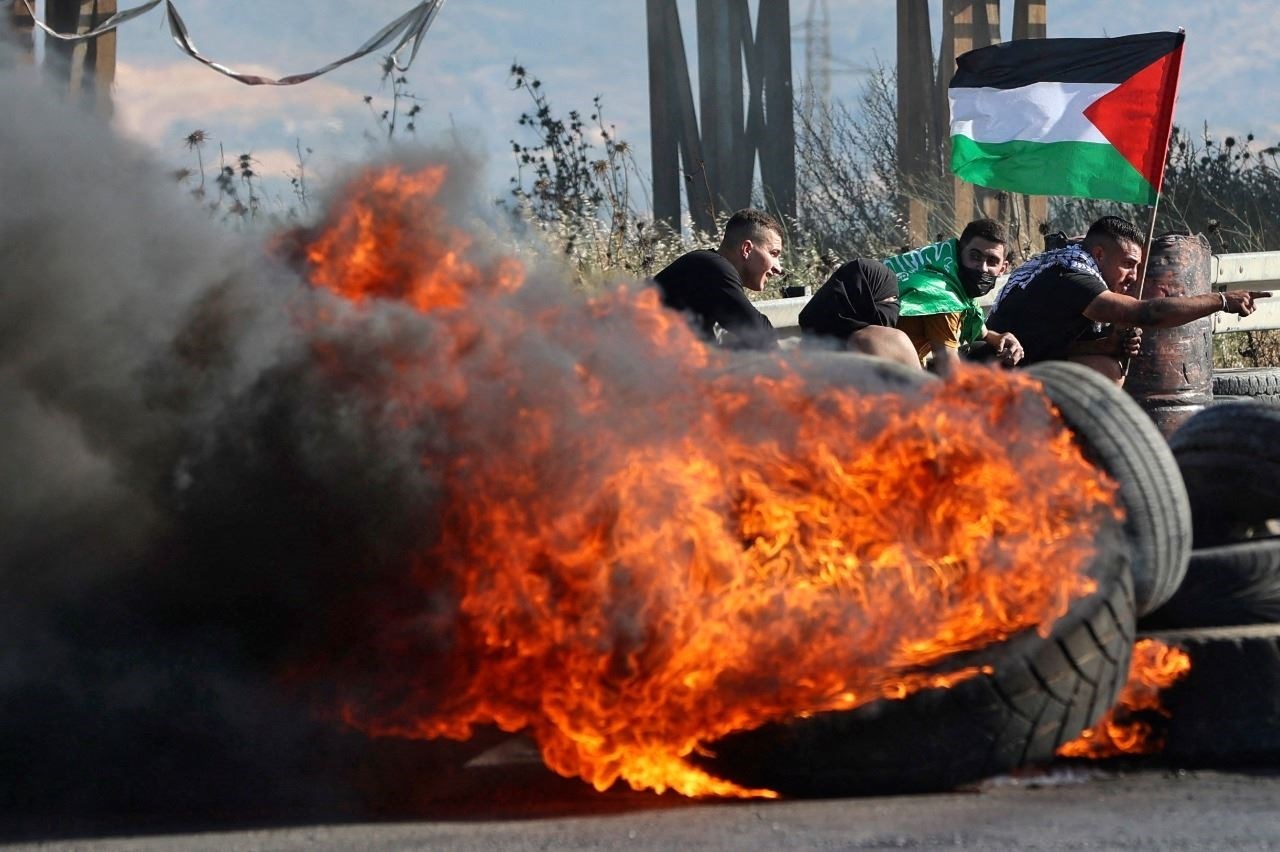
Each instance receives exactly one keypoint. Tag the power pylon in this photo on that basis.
(817, 61)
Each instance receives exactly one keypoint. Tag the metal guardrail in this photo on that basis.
(1251, 271)
(1246, 271)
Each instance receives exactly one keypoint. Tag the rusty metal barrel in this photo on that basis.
(1172, 378)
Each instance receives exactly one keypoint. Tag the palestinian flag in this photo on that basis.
(1087, 117)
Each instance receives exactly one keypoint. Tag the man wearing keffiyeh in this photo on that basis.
(1072, 303)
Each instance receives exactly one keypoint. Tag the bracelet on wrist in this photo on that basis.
(1223, 297)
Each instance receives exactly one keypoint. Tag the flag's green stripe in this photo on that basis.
(1081, 169)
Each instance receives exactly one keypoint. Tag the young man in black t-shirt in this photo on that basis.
(710, 286)
(1071, 303)
(1049, 311)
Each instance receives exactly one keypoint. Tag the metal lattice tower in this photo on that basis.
(817, 60)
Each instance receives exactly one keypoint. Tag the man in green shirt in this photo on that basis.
(938, 288)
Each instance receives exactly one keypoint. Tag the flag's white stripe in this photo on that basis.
(1041, 112)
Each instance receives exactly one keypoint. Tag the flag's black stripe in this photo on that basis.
(1061, 60)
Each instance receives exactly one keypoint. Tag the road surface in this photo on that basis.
(524, 808)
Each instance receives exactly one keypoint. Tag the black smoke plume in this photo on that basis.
(191, 508)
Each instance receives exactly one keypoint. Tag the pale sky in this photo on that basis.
(578, 48)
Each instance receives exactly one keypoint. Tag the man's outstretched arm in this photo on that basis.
(1171, 310)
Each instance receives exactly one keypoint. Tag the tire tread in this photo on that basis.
(1119, 435)
(1042, 693)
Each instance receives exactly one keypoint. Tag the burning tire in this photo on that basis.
(1226, 710)
(1038, 693)
(1231, 466)
(1118, 436)
(1228, 585)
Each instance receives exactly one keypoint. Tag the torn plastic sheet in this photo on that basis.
(410, 28)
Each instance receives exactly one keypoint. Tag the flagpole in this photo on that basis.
(1151, 235)
(1155, 205)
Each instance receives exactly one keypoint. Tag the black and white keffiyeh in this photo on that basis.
(1073, 257)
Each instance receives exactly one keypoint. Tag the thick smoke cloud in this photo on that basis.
(234, 505)
(189, 506)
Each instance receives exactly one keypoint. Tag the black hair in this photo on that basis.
(1115, 229)
(749, 224)
(987, 229)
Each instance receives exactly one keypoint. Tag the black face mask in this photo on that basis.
(976, 282)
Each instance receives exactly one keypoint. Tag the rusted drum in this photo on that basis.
(1172, 378)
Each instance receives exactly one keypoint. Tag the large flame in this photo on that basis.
(644, 548)
(1127, 727)
(392, 241)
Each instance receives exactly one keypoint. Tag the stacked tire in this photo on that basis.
(1261, 384)
(1226, 612)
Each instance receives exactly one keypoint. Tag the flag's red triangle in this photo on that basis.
(1136, 115)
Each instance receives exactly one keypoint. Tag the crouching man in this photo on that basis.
(939, 285)
(857, 308)
(709, 287)
(1072, 303)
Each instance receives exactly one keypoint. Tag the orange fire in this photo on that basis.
(391, 241)
(644, 547)
(1124, 731)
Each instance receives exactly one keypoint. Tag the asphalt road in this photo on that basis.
(524, 808)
